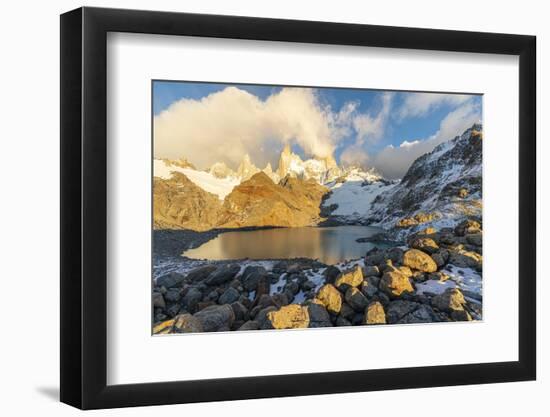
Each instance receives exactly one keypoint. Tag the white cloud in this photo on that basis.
(369, 127)
(393, 162)
(354, 155)
(420, 104)
(225, 125)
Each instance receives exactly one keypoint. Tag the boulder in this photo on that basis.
(331, 273)
(186, 323)
(369, 287)
(467, 227)
(375, 257)
(251, 276)
(396, 310)
(475, 239)
(425, 244)
(374, 314)
(261, 316)
(356, 299)
(342, 322)
(200, 274)
(191, 299)
(461, 315)
(371, 271)
(172, 295)
(346, 311)
(450, 301)
(164, 327)
(350, 278)
(422, 314)
(292, 316)
(223, 273)
(419, 260)
(250, 325)
(441, 257)
(158, 300)
(395, 255)
(216, 318)
(240, 311)
(395, 284)
(318, 316)
(173, 279)
(229, 296)
(466, 259)
(330, 297)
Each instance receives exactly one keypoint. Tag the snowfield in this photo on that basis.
(205, 180)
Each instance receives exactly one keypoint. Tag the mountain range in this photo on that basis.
(441, 186)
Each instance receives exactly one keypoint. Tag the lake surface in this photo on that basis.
(328, 244)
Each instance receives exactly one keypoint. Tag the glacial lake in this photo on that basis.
(330, 245)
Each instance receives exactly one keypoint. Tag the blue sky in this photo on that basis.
(382, 129)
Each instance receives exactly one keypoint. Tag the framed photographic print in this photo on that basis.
(245, 195)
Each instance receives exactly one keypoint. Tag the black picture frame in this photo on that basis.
(84, 207)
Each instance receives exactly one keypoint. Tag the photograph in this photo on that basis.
(286, 207)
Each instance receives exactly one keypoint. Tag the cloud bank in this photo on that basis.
(393, 162)
(420, 104)
(228, 124)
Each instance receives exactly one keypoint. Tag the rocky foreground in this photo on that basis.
(401, 285)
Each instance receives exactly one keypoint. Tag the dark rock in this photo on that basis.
(200, 274)
(422, 314)
(229, 296)
(251, 276)
(371, 270)
(318, 316)
(356, 299)
(172, 295)
(331, 273)
(223, 273)
(240, 311)
(280, 299)
(308, 285)
(216, 318)
(173, 279)
(250, 325)
(173, 309)
(261, 317)
(342, 322)
(158, 300)
(191, 299)
(396, 310)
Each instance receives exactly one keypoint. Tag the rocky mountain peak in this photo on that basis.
(246, 168)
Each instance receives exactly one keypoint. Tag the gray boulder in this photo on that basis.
(200, 274)
(229, 296)
(216, 318)
(223, 274)
(173, 279)
(318, 316)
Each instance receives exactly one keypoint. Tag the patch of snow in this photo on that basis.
(205, 180)
(434, 286)
(354, 197)
(467, 279)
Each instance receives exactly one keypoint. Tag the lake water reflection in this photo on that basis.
(328, 244)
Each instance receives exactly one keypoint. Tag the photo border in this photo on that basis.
(84, 207)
